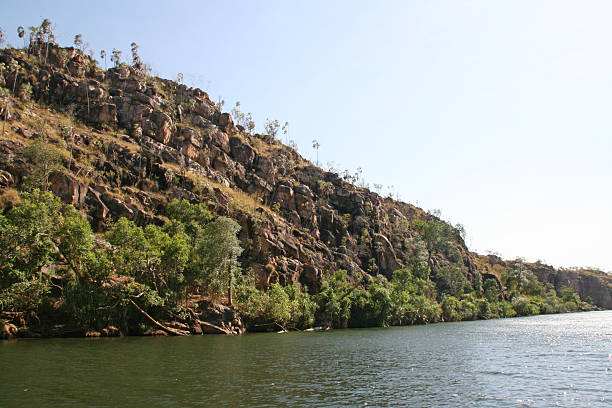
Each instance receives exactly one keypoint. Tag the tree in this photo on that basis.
(152, 256)
(21, 34)
(78, 41)
(191, 217)
(335, 300)
(316, 145)
(136, 61)
(31, 239)
(76, 243)
(46, 34)
(273, 126)
(15, 68)
(103, 56)
(434, 233)
(215, 256)
(33, 38)
(116, 57)
(45, 160)
(243, 119)
(2, 37)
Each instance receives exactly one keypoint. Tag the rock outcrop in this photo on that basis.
(147, 140)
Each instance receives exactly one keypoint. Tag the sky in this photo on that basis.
(498, 114)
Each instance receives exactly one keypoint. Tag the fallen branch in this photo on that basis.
(170, 330)
(222, 330)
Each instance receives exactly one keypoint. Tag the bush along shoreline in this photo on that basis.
(57, 278)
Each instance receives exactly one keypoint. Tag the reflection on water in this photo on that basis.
(542, 361)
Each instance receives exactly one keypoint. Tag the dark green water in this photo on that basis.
(542, 361)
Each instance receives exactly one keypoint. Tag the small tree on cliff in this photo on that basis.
(45, 160)
(21, 34)
(136, 61)
(316, 145)
(116, 57)
(434, 233)
(103, 56)
(78, 41)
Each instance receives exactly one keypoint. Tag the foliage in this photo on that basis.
(45, 160)
(214, 261)
(334, 300)
(284, 307)
(273, 127)
(243, 119)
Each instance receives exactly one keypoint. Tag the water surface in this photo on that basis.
(543, 361)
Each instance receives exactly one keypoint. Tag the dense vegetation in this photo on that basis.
(50, 262)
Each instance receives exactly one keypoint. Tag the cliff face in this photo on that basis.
(587, 283)
(139, 141)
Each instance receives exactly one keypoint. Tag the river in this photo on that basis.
(542, 361)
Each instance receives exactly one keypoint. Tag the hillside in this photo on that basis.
(130, 143)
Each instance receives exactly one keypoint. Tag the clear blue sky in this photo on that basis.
(498, 113)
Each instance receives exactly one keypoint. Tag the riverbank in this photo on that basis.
(218, 319)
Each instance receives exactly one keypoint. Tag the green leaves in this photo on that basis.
(216, 255)
(45, 160)
(151, 256)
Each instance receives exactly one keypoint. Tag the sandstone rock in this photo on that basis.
(68, 188)
(221, 140)
(105, 113)
(221, 161)
(385, 255)
(141, 98)
(199, 121)
(284, 195)
(117, 207)
(130, 114)
(163, 126)
(241, 151)
(76, 65)
(205, 109)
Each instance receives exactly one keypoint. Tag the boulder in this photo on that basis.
(241, 151)
(105, 113)
(162, 126)
(68, 188)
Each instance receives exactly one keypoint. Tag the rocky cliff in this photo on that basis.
(132, 142)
